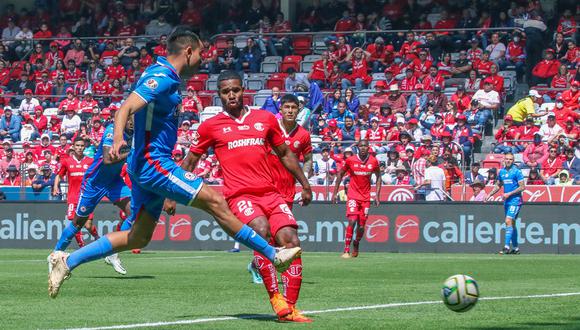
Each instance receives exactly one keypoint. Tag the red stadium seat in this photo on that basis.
(197, 81)
(291, 61)
(276, 80)
(302, 45)
(249, 96)
(206, 97)
(492, 160)
(221, 44)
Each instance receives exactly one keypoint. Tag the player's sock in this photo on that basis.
(66, 237)
(508, 236)
(348, 238)
(79, 238)
(292, 279)
(268, 273)
(127, 224)
(98, 249)
(251, 239)
(515, 237)
(359, 236)
(118, 226)
(94, 233)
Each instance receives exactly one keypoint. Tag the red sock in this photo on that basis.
(79, 238)
(118, 226)
(94, 232)
(268, 273)
(348, 238)
(292, 279)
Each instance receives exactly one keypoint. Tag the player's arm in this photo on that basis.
(379, 185)
(495, 189)
(108, 160)
(55, 188)
(521, 187)
(290, 162)
(132, 105)
(307, 167)
(339, 177)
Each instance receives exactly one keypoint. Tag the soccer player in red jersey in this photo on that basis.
(74, 168)
(242, 139)
(360, 168)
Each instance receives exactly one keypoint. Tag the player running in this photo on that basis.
(153, 173)
(360, 168)
(74, 167)
(512, 180)
(103, 178)
(242, 139)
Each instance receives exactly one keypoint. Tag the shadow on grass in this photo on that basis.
(572, 323)
(256, 317)
(135, 277)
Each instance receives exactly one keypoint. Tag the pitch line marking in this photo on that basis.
(332, 310)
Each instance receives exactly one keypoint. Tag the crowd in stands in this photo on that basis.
(411, 94)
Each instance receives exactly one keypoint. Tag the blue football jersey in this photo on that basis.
(510, 178)
(156, 125)
(98, 172)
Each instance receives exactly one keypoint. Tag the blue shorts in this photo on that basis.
(93, 193)
(512, 211)
(156, 182)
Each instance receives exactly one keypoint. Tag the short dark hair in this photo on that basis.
(180, 39)
(78, 138)
(289, 98)
(228, 75)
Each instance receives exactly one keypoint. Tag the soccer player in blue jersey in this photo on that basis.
(155, 177)
(102, 179)
(512, 180)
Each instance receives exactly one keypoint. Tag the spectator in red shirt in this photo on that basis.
(515, 55)
(421, 65)
(571, 97)
(572, 57)
(505, 137)
(53, 55)
(209, 56)
(321, 70)
(378, 99)
(535, 153)
(39, 120)
(116, 70)
(109, 52)
(45, 87)
(72, 73)
(560, 81)
(409, 48)
(410, 80)
(434, 78)
(527, 132)
(161, 48)
(345, 23)
(396, 100)
(146, 60)
(101, 87)
(460, 99)
(567, 24)
(332, 132)
(546, 69)
(86, 105)
(483, 65)
(377, 53)
(13, 177)
(44, 145)
(71, 102)
(191, 106)
(552, 166)
(563, 112)
(76, 53)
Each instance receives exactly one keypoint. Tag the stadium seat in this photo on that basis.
(312, 58)
(306, 66)
(270, 64)
(221, 44)
(276, 80)
(256, 81)
(302, 45)
(50, 112)
(248, 97)
(492, 160)
(291, 61)
(211, 83)
(197, 81)
(209, 112)
(259, 99)
(241, 41)
(206, 97)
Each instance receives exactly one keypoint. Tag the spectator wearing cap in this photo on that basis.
(376, 135)
(483, 65)
(414, 130)
(359, 76)
(70, 123)
(377, 55)
(506, 137)
(43, 146)
(572, 164)
(184, 134)
(45, 179)
(434, 78)
(191, 106)
(87, 105)
(535, 153)
(437, 129)
(474, 53)
(552, 166)
(515, 55)
(331, 132)
(402, 177)
(564, 179)
(295, 80)
(496, 80)
(10, 125)
(479, 194)
(72, 73)
(30, 177)
(324, 169)
(463, 135)
(473, 175)
(545, 70)
(53, 55)
(28, 104)
(572, 95)
(376, 100)
(398, 126)
(70, 102)
(438, 98)
(8, 160)
(461, 100)
(408, 81)
(417, 102)
(550, 131)
(487, 101)
(571, 130)
(524, 108)
(396, 100)
(28, 131)
(13, 177)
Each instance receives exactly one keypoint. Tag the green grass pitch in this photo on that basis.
(212, 286)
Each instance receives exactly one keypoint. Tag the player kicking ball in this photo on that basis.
(512, 180)
(242, 140)
(154, 175)
(360, 168)
(102, 179)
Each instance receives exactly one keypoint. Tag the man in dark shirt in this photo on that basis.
(230, 57)
(46, 179)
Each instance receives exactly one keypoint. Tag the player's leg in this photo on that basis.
(121, 196)
(92, 228)
(78, 233)
(360, 229)
(514, 241)
(509, 229)
(352, 217)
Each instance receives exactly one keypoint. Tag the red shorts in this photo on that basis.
(271, 205)
(358, 210)
(71, 210)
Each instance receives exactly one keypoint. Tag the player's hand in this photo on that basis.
(306, 196)
(115, 151)
(55, 192)
(505, 196)
(377, 202)
(334, 199)
(169, 206)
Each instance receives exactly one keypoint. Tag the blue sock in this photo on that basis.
(251, 239)
(508, 235)
(515, 237)
(127, 224)
(67, 235)
(98, 249)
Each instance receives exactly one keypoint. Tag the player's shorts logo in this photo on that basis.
(152, 84)
(180, 227)
(245, 207)
(377, 229)
(159, 233)
(189, 176)
(259, 126)
(83, 209)
(286, 210)
(407, 229)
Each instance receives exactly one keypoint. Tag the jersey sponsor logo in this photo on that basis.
(245, 143)
(159, 233)
(244, 127)
(189, 176)
(226, 130)
(259, 126)
(362, 173)
(152, 84)
(407, 229)
(180, 227)
(377, 229)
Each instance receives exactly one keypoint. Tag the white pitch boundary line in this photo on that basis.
(146, 258)
(333, 310)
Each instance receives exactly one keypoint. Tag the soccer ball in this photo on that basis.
(460, 293)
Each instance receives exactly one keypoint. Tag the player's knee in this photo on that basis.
(138, 241)
(287, 237)
(261, 227)
(508, 222)
(216, 201)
